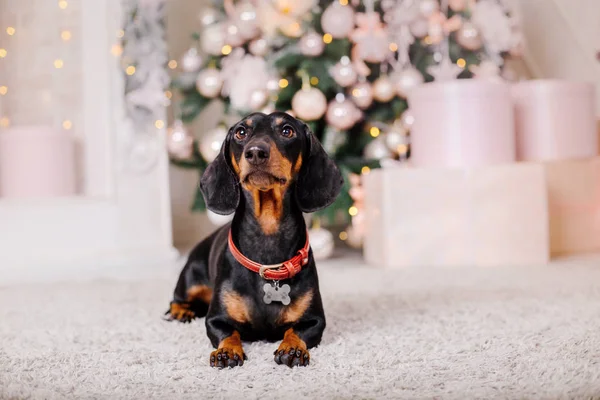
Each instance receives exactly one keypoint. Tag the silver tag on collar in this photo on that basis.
(274, 292)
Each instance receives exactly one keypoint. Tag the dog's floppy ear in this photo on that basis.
(320, 180)
(219, 184)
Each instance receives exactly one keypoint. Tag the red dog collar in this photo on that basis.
(284, 270)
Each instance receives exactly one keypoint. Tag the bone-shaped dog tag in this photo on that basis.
(276, 293)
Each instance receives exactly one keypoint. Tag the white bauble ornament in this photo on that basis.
(179, 141)
(383, 89)
(233, 37)
(406, 80)
(246, 20)
(321, 243)
(342, 114)
(208, 16)
(428, 7)
(377, 149)
(309, 104)
(312, 44)
(210, 143)
(273, 84)
(258, 98)
(217, 219)
(344, 73)
(209, 82)
(338, 20)
(212, 39)
(407, 119)
(419, 27)
(468, 36)
(258, 47)
(395, 138)
(268, 109)
(362, 94)
(191, 60)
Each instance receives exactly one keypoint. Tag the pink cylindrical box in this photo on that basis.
(462, 123)
(36, 161)
(555, 120)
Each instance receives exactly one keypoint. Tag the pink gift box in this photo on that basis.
(574, 204)
(483, 216)
(555, 120)
(36, 162)
(462, 123)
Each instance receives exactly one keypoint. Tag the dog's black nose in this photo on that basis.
(257, 154)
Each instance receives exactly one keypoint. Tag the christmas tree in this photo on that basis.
(344, 67)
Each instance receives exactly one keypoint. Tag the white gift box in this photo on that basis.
(483, 216)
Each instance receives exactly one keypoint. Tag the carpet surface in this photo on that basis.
(418, 333)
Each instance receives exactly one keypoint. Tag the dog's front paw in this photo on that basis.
(292, 351)
(227, 357)
(180, 312)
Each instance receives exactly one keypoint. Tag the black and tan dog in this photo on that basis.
(270, 170)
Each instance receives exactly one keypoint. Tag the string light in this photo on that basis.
(65, 35)
(67, 124)
(58, 63)
(120, 33)
(3, 90)
(130, 70)
(393, 47)
(327, 38)
(314, 81)
(10, 31)
(4, 122)
(3, 53)
(159, 124)
(365, 170)
(402, 148)
(116, 50)
(344, 2)
(168, 94)
(428, 40)
(226, 49)
(344, 235)
(353, 211)
(374, 131)
(283, 83)
(63, 4)
(461, 62)
(172, 64)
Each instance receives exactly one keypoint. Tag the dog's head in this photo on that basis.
(270, 152)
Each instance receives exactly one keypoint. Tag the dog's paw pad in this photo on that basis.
(292, 356)
(180, 312)
(227, 357)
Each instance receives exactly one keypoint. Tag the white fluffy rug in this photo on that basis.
(529, 333)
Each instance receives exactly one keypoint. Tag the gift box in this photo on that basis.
(484, 216)
(555, 120)
(462, 123)
(574, 205)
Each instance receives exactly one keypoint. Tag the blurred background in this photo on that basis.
(451, 120)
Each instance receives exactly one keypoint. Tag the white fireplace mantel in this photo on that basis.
(121, 225)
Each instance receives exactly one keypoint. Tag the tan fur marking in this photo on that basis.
(199, 292)
(279, 120)
(296, 310)
(236, 307)
(249, 121)
(235, 165)
(298, 164)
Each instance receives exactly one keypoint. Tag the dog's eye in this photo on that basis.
(287, 131)
(240, 133)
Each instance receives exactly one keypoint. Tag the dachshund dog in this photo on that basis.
(255, 278)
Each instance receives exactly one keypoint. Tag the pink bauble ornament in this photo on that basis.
(179, 141)
(191, 60)
(383, 89)
(342, 114)
(344, 73)
(309, 104)
(212, 39)
(273, 85)
(209, 82)
(258, 98)
(419, 27)
(377, 149)
(258, 47)
(362, 94)
(246, 20)
(468, 36)
(210, 143)
(312, 44)
(407, 119)
(233, 37)
(208, 16)
(338, 20)
(406, 80)
(428, 7)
